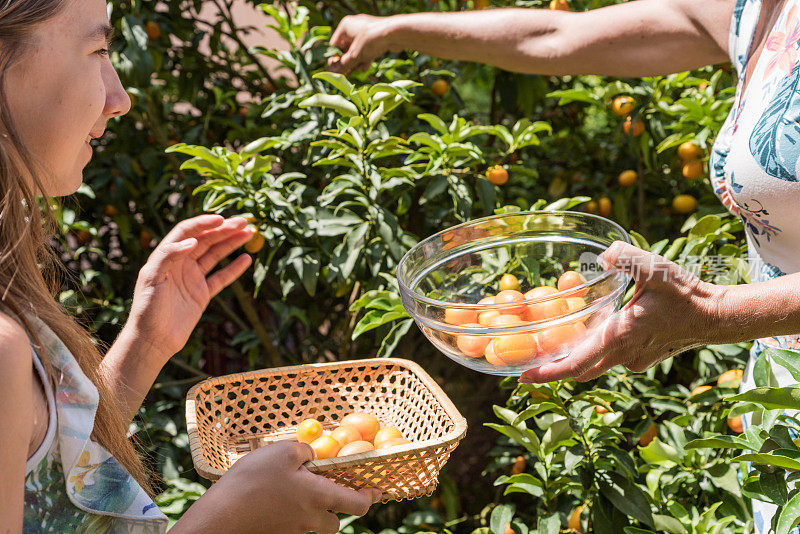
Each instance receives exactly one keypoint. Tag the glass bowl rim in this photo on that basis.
(405, 289)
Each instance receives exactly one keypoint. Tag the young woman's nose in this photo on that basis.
(118, 102)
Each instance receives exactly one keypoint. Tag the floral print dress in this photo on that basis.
(755, 165)
(72, 484)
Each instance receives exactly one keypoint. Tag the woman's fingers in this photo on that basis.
(219, 234)
(345, 500)
(326, 523)
(582, 358)
(225, 276)
(193, 227)
(222, 248)
(165, 255)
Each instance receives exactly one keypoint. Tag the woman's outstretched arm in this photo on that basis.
(642, 38)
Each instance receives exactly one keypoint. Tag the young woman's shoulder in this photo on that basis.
(13, 341)
(16, 358)
(16, 418)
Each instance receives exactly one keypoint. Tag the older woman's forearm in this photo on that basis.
(640, 38)
(751, 311)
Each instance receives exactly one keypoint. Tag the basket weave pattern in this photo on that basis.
(231, 415)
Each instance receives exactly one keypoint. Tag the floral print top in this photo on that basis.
(72, 484)
(755, 164)
(755, 161)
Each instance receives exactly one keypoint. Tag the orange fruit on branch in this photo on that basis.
(153, 30)
(574, 521)
(497, 175)
(688, 151)
(699, 389)
(684, 204)
(519, 466)
(623, 106)
(256, 243)
(730, 378)
(559, 5)
(649, 435)
(627, 178)
(440, 87)
(692, 169)
(633, 128)
(604, 207)
(735, 424)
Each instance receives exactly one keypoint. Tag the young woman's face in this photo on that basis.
(64, 91)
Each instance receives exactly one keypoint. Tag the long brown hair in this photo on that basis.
(29, 267)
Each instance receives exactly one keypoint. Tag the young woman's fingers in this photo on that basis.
(326, 523)
(212, 256)
(193, 227)
(216, 235)
(165, 255)
(344, 500)
(224, 277)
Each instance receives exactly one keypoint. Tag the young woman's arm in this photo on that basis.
(16, 421)
(174, 287)
(642, 38)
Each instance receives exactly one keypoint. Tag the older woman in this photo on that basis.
(754, 163)
(66, 463)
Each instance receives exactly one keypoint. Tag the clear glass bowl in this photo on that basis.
(444, 278)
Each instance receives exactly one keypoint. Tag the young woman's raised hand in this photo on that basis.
(176, 284)
(269, 490)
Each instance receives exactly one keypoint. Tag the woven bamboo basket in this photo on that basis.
(229, 416)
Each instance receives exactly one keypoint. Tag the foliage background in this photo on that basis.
(337, 216)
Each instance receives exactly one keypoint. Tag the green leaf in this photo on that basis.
(337, 80)
(790, 516)
(549, 525)
(665, 523)
(556, 435)
(720, 441)
(627, 497)
(770, 459)
(501, 517)
(785, 398)
(335, 102)
(659, 453)
(522, 483)
(395, 335)
(787, 359)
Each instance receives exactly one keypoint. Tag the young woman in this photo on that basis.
(65, 461)
(754, 163)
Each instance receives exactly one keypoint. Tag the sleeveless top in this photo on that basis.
(755, 161)
(72, 484)
(755, 165)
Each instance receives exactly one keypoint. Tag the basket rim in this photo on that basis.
(205, 470)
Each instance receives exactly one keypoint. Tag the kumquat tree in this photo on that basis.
(381, 195)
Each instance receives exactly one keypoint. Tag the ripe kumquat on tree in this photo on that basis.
(440, 87)
(497, 175)
(632, 127)
(622, 106)
(627, 178)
